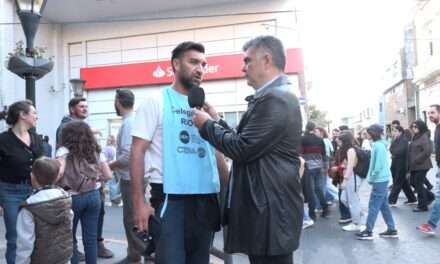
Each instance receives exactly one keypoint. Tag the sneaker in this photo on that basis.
(365, 235)
(344, 220)
(420, 209)
(426, 229)
(325, 212)
(393, 205)
(352, 227)
(308, 223)
(389, 234)
(104, 252)
(410, 202)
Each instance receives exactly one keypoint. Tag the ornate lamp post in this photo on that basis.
(77, 87)
(30, 66)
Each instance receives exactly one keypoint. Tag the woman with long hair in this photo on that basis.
(351, 182)
(83, 166)
(419, 159)
(19, 148)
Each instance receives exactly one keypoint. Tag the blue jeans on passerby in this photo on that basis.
(435, 214)
(343, 209)
(317, 182)
(86, 208)
(101, 214)
(185, 237)
(11, 197)
(379, 202)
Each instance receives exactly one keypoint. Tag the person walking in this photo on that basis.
(420, 163)
(265, 206)
(83, 168)
(379, 175)
(430, 226)
(20, 146)
(351, 182)
(399, 167)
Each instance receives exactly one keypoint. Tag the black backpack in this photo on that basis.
(363, 162)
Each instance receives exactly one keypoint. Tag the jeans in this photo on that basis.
(11, 196)
(317, 181)
(186, 235)
(86, 207)
(101, 214)
(379, 202)
(435, 214)
(398, 170)
(331, 192)
(136, 247)
(424, 197)
(350, 197)
(343, 209)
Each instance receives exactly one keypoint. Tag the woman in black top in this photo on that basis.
(19, 148)
(399, 167)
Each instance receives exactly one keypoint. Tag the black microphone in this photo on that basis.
(196, 97)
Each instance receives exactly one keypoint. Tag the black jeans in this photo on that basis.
(424, 196)
(398, 170)
(281, 259)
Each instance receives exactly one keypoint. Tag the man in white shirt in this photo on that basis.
(190, 213)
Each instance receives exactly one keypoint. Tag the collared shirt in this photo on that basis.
(16, 158)
(123, 146)
(260, 90)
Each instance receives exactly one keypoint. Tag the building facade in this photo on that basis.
(128, 44)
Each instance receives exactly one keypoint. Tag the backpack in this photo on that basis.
(79, 175)
(363, 162)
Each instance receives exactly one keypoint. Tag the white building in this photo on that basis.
(128, 44)
(427, 66)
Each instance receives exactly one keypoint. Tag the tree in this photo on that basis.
(318, 117)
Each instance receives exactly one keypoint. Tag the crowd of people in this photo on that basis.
(176, 188)
(390, 165)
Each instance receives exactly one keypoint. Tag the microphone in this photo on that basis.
(196, 97)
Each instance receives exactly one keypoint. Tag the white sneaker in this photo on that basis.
(352, 227)
(308, 223)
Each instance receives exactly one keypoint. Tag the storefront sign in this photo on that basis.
(160, 72)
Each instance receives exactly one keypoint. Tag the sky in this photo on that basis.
(348, 44)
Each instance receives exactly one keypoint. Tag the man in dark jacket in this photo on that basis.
(264, 207)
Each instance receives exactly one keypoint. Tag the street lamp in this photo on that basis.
(30, 67)
(77, 87)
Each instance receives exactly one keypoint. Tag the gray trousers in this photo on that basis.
(135, 246)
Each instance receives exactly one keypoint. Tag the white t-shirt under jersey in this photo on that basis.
(148, 125)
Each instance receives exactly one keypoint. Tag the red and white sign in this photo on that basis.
(160, 72)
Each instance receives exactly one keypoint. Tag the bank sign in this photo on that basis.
(160, 72)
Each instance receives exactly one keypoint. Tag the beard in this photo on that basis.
(118, 113)
(188, 82)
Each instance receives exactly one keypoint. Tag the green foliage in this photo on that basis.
(318, 117)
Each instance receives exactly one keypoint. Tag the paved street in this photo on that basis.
(323, 242)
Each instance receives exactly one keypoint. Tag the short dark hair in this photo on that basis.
(125, 97)
(46, 138)
(183, 47)
(436, 106)
(46, 170)
(271, 45)
(75, 101)
(395, 122)
(375, 131)
(343, 128)
(15, 109)
(310, 126)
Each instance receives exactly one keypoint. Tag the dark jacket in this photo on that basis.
(53, 231)
(265, 196)
(64, 121)
(399, 152)
(420, 151)
(313, 150)
(437, 144)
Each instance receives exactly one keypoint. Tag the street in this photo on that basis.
(325, 241)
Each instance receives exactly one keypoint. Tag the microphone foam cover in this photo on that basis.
(196, 97)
